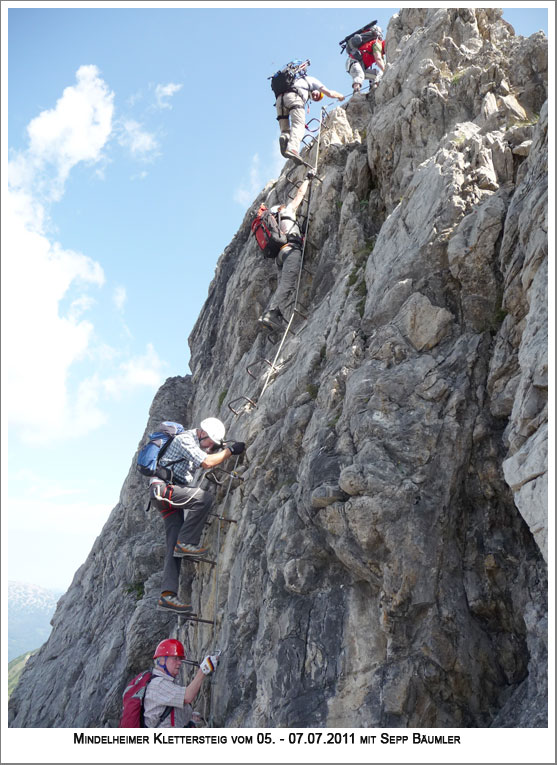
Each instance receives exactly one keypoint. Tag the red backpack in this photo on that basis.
(268, 235)
(133, 697)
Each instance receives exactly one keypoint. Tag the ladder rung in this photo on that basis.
(313, 130)
(259, 361)
(195, 619)
(241, 398)
(222, 518)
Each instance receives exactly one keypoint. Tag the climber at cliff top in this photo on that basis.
(169, 492)
(167, 704)
(293, 89)
(286, 247)
(366, 50)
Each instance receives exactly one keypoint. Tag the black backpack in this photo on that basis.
(283, 80)
(368, 28)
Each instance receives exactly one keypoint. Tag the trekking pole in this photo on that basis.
(295, 301)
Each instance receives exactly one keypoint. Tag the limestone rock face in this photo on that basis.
(388, 564)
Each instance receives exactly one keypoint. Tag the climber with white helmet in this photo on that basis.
(171, 495)
(366, 55)
(293, 88)
(167, 704)
(284, 244)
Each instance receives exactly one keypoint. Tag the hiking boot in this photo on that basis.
(272, 319)
(356, 87)
(182, 550)
(171, 603)
(283, 143)
(294, 155)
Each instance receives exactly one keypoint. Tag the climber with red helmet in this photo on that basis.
(171, 495)
(293, 88)
(167, 704)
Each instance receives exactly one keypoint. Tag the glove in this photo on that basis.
(236, 447)
(209, 664)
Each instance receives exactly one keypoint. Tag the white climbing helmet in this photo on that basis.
(214, 429)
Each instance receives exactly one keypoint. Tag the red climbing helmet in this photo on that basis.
(170, 647)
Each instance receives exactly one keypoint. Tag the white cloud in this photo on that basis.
(245, 194)
(80, 305)
(140, 143)
(76, 130)
(40, 342)
(260, 175)
(140, 371)
(47, 396)
(164, 92)
(120, 296)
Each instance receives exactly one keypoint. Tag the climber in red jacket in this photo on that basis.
(365, 50)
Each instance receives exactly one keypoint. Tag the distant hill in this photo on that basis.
(15, 668)
(30, 609)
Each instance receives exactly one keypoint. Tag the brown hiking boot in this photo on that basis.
(182, 550)
(171, 603)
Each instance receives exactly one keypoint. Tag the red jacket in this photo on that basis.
(367, 55)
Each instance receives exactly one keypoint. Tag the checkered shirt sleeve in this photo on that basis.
(184, 447)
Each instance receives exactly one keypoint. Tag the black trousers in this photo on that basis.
(171, 501)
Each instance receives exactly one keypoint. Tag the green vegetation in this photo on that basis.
(15, 668)
(332, 423)
(361, 255)
(361, 289)
(323, 352)
(499, 316)
(312, 389)
(137, 589)
(222, 397)
(361, 307)
(353, 278)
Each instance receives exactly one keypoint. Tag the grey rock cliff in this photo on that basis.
(388, 565)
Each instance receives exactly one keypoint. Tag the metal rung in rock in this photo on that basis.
(307, 140)
(260, 361)
(222, 518)
(297, 310)
(210, 475)
(313, 130)
(273, 337)
(290, 177)
(191, 618)
(252, 404)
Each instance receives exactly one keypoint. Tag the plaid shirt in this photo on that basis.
(164, 692)
(184, 447)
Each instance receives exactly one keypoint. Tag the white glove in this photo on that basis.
(209, 664)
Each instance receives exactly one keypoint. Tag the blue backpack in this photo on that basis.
(158, 443)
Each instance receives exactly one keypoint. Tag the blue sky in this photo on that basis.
(137, 138)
